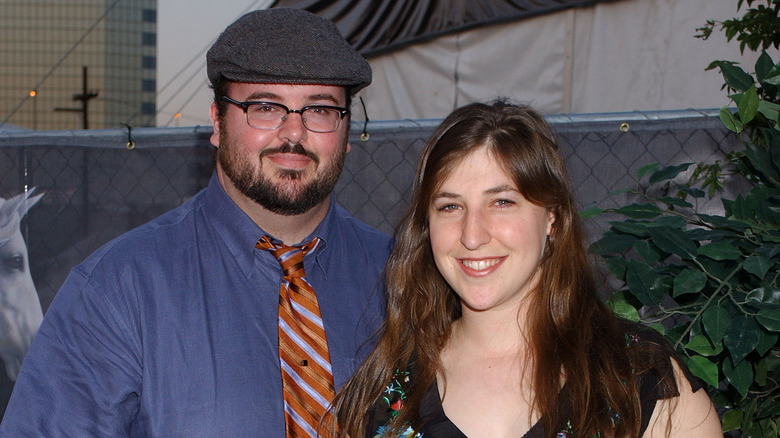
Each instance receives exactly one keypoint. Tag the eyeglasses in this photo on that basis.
(270, 115)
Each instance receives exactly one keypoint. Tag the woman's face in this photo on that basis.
(487, 239)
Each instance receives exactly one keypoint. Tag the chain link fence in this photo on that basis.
(99, 184)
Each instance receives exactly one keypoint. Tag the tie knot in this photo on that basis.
(289, 257)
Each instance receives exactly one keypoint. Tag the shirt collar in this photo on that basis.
(240, 233)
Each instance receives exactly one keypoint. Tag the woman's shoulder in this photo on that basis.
(671, 397)
(652, 358)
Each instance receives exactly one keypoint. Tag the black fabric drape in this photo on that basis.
(375, 27)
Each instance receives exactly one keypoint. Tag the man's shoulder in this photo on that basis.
(361, 230)
(156, 238)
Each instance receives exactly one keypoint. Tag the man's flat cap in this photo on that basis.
(286, 46)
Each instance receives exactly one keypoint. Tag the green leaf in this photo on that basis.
(671, 221)
(769, 318)
(715, 320)
(765, 296)
(741, 208)
(617, 266)
(624, 310)
(762, 370)
(613, 243)
(644, 283)
(720, 251)
(758, 265)
(620, 191)
(689, 281)
(646, 170)
(692, 191)
(773, 76)
(764, 66)
(770, 110)
(646, 251)
(700, 344)
(730, 121)
(702, 368)
(722, 222)
(740, 377)
(772, 137)
(732, 420)
(630, 227)
(658, 327)
(765, 342)
(735, 77)
(750, 411)
(668, 172)
(748, 105)
(741, 337)
(761, 159)
(590, 212)
(673, 241)
(639, 211)
(676, 201)
(770, 410)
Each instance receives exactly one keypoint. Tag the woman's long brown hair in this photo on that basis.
(575, 339)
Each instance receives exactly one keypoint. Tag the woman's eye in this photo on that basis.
(504, 202)
(447, 207)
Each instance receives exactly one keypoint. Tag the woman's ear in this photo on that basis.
(551, 216)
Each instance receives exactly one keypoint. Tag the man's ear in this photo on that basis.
(214, 116)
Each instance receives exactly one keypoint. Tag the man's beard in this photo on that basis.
(289, 197)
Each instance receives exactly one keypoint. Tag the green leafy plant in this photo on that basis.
(757, 29)
(710, 282)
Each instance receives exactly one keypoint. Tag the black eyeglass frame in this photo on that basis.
(343, 112)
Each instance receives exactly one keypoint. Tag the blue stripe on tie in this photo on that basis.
(298, 420)
(304, 346)
(288, 254)
(306, 313)
(305, 386)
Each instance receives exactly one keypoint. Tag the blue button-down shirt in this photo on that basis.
(171, 329)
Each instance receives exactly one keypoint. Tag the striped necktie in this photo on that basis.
(307, 378)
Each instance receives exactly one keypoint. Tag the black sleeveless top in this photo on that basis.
(437, 425)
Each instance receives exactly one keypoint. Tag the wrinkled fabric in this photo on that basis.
(380, 26)
(171, 329)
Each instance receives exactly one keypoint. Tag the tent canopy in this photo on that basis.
(380, 26)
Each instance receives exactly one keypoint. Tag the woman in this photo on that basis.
(494, 327)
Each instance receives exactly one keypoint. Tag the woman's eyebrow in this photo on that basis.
(500, 189)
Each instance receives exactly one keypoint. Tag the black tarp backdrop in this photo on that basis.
(380, 26)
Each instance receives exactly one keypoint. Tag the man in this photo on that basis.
(173, 329)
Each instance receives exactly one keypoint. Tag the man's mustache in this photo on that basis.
(288, 148)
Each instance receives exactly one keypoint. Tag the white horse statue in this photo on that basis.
(20, 308)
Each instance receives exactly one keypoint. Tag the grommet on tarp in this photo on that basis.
(130, 143)
(624, 127)
(364, 136)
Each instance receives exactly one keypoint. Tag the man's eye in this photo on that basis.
(265, 108)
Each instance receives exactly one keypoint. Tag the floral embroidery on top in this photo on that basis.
(394, 395)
